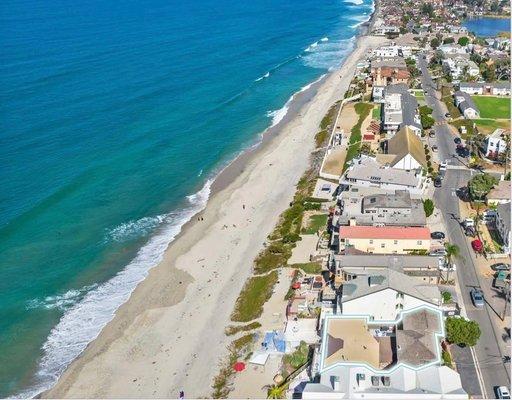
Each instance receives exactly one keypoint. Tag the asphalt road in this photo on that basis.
(493, 371)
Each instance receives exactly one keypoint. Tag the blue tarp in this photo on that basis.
(274, 342)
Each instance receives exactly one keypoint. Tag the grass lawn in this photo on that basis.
(376, 112)
(454, 111)
(316, 223)
(362, 109)
(463, 122)
(419, 95)
(493, 107)
(309, 268)
(257, 290)
(487, 126)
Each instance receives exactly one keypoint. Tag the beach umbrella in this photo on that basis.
(296, 285)
(239, 366)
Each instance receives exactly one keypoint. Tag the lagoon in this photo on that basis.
(487, 27)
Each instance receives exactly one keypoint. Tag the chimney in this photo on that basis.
(352, 222)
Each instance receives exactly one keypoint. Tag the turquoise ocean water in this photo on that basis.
(115, 116)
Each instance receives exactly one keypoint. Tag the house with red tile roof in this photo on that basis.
(384, 239)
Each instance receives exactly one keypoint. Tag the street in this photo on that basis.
(481, 368)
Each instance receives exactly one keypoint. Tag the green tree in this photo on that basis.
(434, 43)
(427, 9)
(461, 331)
(448, 40)
(452, 251)
(447, 297)
(480, 185)
(463, 41)
(428, 207)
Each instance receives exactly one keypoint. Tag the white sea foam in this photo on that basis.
(278, 115)
(134, 229)
(262, 77)
(324, 39)
(83, 321)
(311, 46)
(356, 2)
(329, 55)
(62, 301)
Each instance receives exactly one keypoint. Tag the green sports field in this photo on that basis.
(493, 107)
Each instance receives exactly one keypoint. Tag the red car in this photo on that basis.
(477, 245)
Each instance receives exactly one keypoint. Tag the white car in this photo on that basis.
(503, 392)
(443, 166)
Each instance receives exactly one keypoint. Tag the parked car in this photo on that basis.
(432, 134)
(437, 235)
(443, 166)
(434, 148)
(462, 151)
(477, 297)
(477, 245)
(470, 231)
(457, 140)
(502, 392)
(448, 115)
(437, 182)
(500, 267)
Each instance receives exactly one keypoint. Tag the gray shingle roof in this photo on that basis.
(372, 283)
(409, 104)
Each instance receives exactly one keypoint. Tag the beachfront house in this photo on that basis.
(395, 208)
(384, 294)
(355, 239)
(500, 88)
(362, 357)
(466, 105)
(404, 151)
(400, 110)
(424, 269)
(366, 171)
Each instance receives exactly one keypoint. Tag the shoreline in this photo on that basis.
(167, 286)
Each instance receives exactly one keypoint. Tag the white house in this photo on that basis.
(466, 105)
(458, 65)
(385, 294)
(362, 358)
(400, 110)
(501, 88)
(366, 171)
(495, 144)
(472, 88)
(404, 151)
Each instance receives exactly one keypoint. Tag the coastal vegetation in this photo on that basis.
(309, 268)
(296, 359)
(315, 223)
(363, 110)
(257, 290)
(234, 329)
(236, 350)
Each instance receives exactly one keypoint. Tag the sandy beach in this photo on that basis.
(170, 336)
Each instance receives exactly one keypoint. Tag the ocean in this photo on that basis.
(115, 118)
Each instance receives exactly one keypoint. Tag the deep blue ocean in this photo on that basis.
(487, 26)
(115, 116)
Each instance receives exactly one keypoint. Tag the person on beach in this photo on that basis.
(182, 394)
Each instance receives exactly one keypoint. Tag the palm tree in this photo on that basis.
(452, 251)
(275, 391)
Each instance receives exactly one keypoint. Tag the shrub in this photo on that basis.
(447, 297)
(312, 206)
(428, 207)
(462, 331)
(291, 237)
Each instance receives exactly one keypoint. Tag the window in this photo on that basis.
(395, 241)
(371, 241)
(382, 245)
(419, 242)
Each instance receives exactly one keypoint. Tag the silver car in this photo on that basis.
(477, 297)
